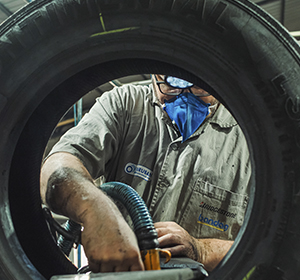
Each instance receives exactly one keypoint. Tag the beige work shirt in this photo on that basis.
(202, 184)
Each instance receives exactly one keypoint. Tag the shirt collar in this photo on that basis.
(223, 118)
(153, 98)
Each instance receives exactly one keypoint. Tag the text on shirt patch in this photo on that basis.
(212, 223)
(138, 170)
(217, 210)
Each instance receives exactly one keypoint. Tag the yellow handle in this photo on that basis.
(167, 254)
(151, 258)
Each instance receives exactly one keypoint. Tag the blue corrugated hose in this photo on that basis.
(137, 209)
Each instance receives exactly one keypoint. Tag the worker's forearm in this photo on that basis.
(212, 251)
(108, 241)
(67, 187)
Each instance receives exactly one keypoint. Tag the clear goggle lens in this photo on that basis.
(177, 82)
(175, 86)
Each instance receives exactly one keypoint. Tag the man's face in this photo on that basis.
(161, 97)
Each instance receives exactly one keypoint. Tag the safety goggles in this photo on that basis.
(175, 86)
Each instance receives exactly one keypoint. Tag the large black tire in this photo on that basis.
(53, 52)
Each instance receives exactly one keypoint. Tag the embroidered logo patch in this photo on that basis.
(138, 170)
(216, 224)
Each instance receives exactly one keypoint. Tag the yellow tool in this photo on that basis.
(151, 258)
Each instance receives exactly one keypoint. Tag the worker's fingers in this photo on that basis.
(130, 265)
(122, 267)
(138, 266)
(165, 224)
(95, 266)
(108, 267)
(162, 231)
(104, 265)
(163, 228)
(169, 239)
(113, 267)
(177, 250)
(160, 224)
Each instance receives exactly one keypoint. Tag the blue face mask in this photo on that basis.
(188, 111)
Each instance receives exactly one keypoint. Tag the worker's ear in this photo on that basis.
(154, 78)
(158, 77)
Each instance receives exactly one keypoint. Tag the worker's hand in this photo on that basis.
(208, 251)
(177, 240)
(110, 244)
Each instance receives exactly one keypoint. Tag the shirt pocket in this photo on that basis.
(213, 212)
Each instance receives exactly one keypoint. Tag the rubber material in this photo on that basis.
(138, 211)
(53, 52)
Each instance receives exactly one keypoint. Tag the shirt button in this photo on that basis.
(174, 147)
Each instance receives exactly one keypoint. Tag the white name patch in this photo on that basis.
(138, 170)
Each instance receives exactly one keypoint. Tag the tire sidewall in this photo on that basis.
(222, 47)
